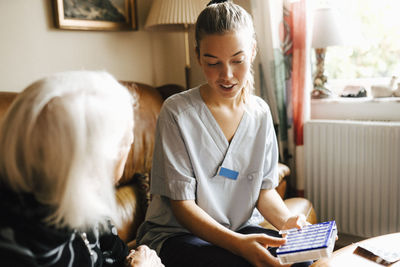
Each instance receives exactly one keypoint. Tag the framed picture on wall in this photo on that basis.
(100, 15)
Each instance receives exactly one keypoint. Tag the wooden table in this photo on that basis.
(346, 257)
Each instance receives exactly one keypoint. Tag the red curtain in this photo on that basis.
(298, 15)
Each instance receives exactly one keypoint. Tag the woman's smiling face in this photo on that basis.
(226, 60)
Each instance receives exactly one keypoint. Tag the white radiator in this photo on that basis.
(353, 174)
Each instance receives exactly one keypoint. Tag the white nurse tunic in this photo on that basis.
(190, 147)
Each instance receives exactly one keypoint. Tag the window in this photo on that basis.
(375, 56)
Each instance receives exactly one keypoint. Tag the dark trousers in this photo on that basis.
(188, 250)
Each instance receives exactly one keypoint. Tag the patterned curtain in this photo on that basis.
(282, 32)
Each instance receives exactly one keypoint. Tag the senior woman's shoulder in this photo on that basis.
(12, 253)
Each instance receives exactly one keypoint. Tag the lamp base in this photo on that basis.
(321, 92)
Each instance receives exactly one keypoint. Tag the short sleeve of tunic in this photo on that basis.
(172, 172)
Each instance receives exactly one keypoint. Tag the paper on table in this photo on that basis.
(384, 255)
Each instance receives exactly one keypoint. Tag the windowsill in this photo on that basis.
(363, 108)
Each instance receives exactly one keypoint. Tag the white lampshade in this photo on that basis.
(326, 28)
(174, 15)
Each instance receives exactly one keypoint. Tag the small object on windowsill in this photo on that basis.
(354, 91)
(378, 91)
(321, 92)
(396, 92)
(381, 90)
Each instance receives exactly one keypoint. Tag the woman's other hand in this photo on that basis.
(143, 256)
(253, 248)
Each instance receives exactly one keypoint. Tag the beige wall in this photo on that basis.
(31, 47)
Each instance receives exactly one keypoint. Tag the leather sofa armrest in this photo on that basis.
(132, 199)
(130, 211)
(283, 172)
(297, 205)
(169, 89)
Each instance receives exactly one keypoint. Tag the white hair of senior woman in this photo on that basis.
(61, 140)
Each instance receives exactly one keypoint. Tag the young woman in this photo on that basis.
(63, 144)
(216, 157)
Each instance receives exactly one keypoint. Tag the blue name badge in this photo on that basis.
(228, 173)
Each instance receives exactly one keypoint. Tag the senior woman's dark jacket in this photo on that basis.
(25, 240)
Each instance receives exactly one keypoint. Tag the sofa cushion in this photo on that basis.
(133, 199)
(148, 105)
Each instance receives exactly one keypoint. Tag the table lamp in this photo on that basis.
(176, 15)
(326, 32)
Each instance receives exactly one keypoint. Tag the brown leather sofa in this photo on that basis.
(132, 191)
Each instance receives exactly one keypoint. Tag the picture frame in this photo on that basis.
(101, 15)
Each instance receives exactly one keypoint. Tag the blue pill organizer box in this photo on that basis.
(312, 242)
